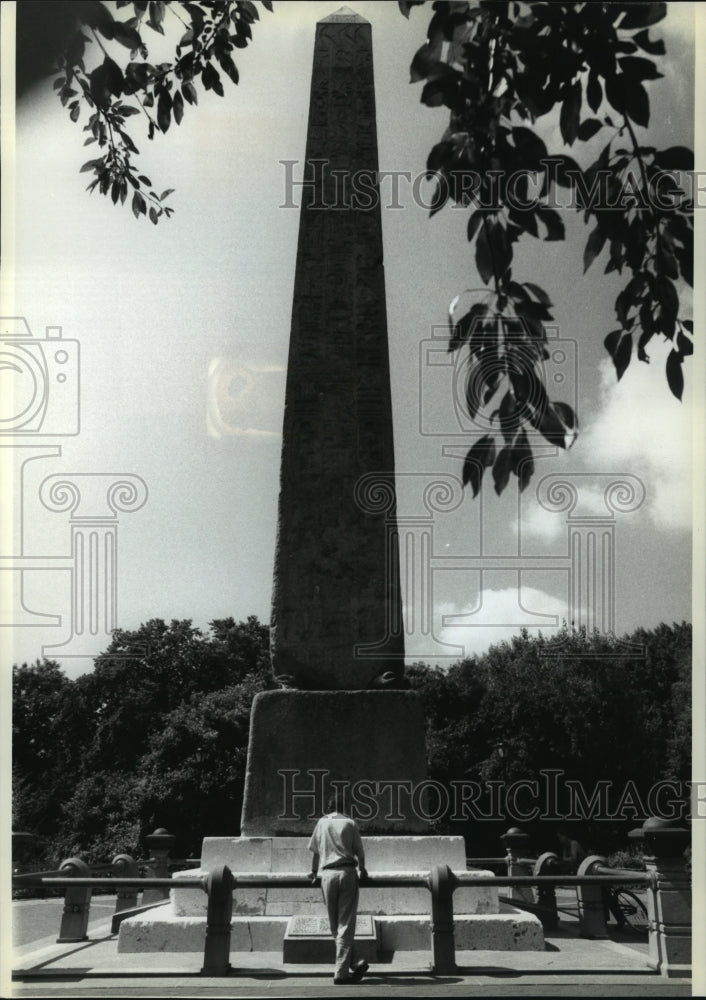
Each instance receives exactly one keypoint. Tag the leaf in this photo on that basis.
(684, 345)
(138, 205)
(164, 109)
(594, 92)
(523, 463)
(552, 220)
(442, 89)
(566, 414)
(484, 260)
(406, 5)
(189, 92)
(588, 129)
(95, 15)
(105, 80)
(637, 104)
(211, 79)
(615, 93)
(539, 293)
(642, 15)
(480, 457)
(91, 165)
(638, 68)
(570, 113)
(156, 15)
(75, 112)
(594, 245)
(530, 147)
(474, 223)
(178, 107)
(508, 416)
(425, 59)
(668, 298)
(502, 468)
(675, 158)
(464, 329)
(501, 248)
(675, 374)
(154, 217)
(165, 194)
(230, 68)
(655, 48)
(666, 261)
(126, 35)
(619, 346)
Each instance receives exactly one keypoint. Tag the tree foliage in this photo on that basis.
(160, 723)
(95, 75)
(592, 708)
(93, 777)
(498, 68)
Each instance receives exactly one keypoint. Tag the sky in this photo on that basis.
(182, 331)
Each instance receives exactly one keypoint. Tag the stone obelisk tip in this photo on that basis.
(344, 14)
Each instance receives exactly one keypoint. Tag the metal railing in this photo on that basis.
(221, 885)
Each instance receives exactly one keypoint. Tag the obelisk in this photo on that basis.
(336, 630)
(336, 584)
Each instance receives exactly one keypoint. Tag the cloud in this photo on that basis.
(498, 615)
(640, 428)
(550, 525)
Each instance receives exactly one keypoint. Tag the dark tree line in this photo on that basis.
(157, 734)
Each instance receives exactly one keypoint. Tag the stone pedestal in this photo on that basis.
(304, 742)
(401, 918)
(669, 905)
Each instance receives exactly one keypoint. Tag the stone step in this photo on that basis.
(157, 931)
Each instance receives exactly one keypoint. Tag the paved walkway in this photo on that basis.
(570, 966)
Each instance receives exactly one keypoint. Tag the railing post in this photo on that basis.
(158, 845)
(546, 894)
(591, 901)
(515, 841)
(442, 883)
(127, 896)
(219, 886)
(77, 903)
(669, 901)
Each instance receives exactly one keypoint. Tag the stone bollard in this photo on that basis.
(77, 903)
(591, 901)
(127, 868)
(669, 902)
(219, 886)
(442, 883)
(515, 841)
(546, 864)
(159, 845)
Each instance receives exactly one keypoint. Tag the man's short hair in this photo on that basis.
(337, 800)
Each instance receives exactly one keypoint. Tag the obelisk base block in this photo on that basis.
(303, 743)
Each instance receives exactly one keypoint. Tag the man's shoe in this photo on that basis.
(359, 971)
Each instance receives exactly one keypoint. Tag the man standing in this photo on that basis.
(337, 848)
